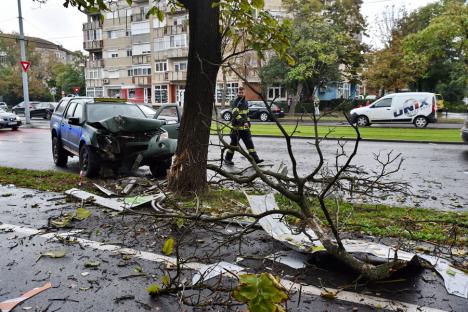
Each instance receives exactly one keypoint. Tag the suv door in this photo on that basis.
(171, 115)
(65, 128)
(74, 131)
(381, 110)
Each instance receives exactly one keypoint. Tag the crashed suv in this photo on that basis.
(105, 133)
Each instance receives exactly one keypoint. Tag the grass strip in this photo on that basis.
(403, 134)
(41, 180)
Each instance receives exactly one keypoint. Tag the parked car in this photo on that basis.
(257, 110)
(36, 109)
(418, 108)
(464, 130)
(3, 106)
(170, 114)
(111, 133)
(9, 120)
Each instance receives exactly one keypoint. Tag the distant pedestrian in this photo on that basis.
(241, 129)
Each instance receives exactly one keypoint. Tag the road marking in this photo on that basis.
(376, 302)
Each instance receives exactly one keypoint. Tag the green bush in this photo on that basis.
(456, 107)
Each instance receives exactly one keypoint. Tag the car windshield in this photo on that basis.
(97, 112)
(147, 110)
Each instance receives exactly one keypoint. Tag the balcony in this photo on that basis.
(175, 30)
(94, 63)
(141, 80)
(92, 45)
(92, 25)
(171, 53)
(170, 76)
(139, 17)
(141, 59)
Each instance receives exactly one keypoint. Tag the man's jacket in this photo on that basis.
(240, 114)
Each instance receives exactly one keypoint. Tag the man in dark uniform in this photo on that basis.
(241, 128)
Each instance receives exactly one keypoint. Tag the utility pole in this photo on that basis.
(23, 59)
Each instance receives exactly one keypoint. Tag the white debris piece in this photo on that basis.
(211, 270)
(118, 204)
(291, 258)
(456, 281)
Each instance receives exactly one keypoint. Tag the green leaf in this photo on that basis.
(153, 289)
(82, 214)
(61, 222)
(138, 269)
(258, 4)
(168, 247)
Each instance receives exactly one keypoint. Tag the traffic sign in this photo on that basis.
(25, 65)
(76, 90)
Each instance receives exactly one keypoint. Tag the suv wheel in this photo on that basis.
(159, 168)
(264, 116)
(362, 121)
(227, 116)
(89, 162)
(420, 122)
(58, 153)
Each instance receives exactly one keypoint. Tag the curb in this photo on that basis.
(362, 140)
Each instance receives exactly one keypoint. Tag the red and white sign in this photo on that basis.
(25, 65)
(76, 90)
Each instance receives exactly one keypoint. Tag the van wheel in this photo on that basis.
(420, 122)
(89, 162)
(362, 121)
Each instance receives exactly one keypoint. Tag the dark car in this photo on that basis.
(110, 133)
(9, 120)
(257, 110)
(36, 109)
(464, 130)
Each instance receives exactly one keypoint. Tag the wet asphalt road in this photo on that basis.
(437, 173)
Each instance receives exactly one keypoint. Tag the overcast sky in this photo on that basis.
(53, 22)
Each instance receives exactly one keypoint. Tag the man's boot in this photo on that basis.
(228, 158)
(256, 158)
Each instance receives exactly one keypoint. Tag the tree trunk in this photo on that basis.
(188, 172)
(295, 99)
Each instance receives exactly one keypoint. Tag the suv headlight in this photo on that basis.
(164, 135)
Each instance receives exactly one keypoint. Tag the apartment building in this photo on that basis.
(144, 59)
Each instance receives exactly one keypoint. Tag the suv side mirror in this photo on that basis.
(74, 121)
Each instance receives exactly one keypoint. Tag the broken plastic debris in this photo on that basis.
(8, 305)
(118, 204)
(211, 270)
(456, 281)
(104, 190)
(291, 258)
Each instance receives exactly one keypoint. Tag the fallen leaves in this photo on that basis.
(80, 214)
(168, 247)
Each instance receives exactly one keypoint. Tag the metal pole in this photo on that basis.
(24, 73)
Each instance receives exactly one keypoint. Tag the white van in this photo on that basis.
(418, 108)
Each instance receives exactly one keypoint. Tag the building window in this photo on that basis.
(160, 94)
(180, 66)
(113, 74)
(129, 52)
(161, 67)
(276, 93)
(157, 23)
(178, 41)
(93, 73)
(180, 20)
(94, 92)
(140, 28)
(343, 90)
(139, 71)
(131, 93)
(139, 49)
(231, 91)
(161, 44)
(113, 34)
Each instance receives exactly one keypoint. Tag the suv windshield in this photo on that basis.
(97, 112)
